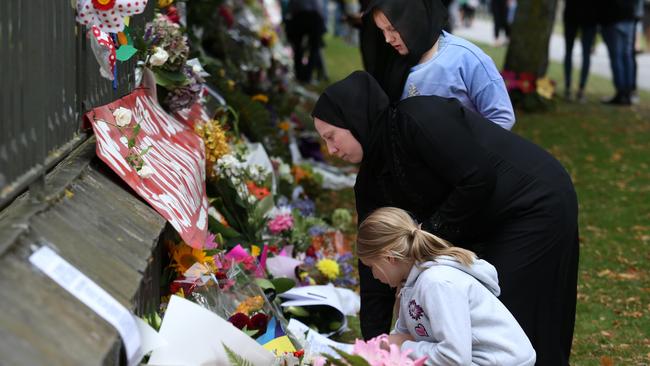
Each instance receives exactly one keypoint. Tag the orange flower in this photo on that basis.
(284, 125)
(260, 98)
(300, 174)
(258, 192)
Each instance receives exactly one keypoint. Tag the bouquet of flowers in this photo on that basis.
(242, 196)
(528, 92)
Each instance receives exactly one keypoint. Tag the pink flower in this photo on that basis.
(280, 223)
(373, 352)
(210, 243)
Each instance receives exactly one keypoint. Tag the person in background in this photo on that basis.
(580, 17)
(405, 49)
(638, 17)
(305, 19)
(500, 18)
(449, 311)
(617, 29)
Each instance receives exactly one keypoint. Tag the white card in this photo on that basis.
(195, 337)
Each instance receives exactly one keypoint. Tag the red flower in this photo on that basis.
(299, 353)
(311, 251)
(103, 4)
(227, 16)
(258, 322)
(182, 283)
(240, 321)
(510, 78)
(172, 15)
(527, 82)
(274, 249)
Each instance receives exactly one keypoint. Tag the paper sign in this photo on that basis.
(280, 345)
(175, 156)
(93, 296)
(195, 337)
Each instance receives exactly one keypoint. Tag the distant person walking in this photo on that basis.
(580, 17)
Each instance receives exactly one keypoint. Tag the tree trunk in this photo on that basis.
(530, 35)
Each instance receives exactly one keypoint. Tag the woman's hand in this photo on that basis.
(399, 338)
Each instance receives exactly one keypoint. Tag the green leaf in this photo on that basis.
(131, 143)
(125, 52)
(168, 79)
(264, 283)
(136, 131)
(263, 206)
(216, 227)
(235, 359)
(353, 360)
(283, 284)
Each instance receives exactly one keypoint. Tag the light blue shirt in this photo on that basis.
(463, 71)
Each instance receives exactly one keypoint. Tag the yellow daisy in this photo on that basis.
(184, 257)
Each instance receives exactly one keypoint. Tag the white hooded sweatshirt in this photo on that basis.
(455, 318)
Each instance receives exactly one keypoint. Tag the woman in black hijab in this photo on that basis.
(470, 182)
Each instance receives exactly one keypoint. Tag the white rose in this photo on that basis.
(124, 140)
(146, 171)
(122, 116)
(159, 57)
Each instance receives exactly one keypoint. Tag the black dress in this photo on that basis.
(477, 185)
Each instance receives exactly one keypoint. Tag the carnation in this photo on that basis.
(280, 223)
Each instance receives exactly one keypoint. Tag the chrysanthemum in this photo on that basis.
(329, 268)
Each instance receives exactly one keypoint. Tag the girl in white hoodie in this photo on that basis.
(449, 309)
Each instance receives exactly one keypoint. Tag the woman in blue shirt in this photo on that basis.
(405, 49)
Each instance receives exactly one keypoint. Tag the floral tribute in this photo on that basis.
(528, 92)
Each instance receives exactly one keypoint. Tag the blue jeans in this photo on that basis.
(587, 36)
(619, 38)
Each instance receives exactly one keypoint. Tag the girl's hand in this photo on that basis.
(399, 338)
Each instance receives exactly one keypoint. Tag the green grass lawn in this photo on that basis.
(607, 151)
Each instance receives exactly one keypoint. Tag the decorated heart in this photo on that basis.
(108, 15)
(104, 51)
(421, 330)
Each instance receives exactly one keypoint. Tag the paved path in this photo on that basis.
(481, 31)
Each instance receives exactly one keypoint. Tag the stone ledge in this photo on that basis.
(100, 227)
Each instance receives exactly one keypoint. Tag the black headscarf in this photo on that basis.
(419, 23)
(355, 103)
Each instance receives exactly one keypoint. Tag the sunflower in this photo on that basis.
(185, 256)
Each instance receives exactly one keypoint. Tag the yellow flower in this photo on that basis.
(164, 3)
(231, 84)
(250, 305)
(255, 250)
(284, 125)
(184, 257)
(329, 268)
(260, 98)
(216, 144)
(545, 88)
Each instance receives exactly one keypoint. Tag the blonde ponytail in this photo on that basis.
(391, 232)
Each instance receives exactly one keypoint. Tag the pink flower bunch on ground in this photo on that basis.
(280, 223)
(374, 351)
